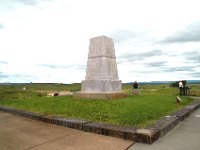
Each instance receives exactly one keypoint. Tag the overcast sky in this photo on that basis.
(48, 40)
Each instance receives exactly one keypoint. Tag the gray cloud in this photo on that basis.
(124, 35)
(139, 72)
(190, 34)
(139, 56)
(11, 5)
(179, 69)
(165, 68)
(150, 53)
(49, 66)
(3, 62)
(4, 77)
(1, 26)
(54, 66)
(29, 2)
(193, 56)
(79, 67)
(32, 2)
(156, 64)
(195, 74)
(161, 69)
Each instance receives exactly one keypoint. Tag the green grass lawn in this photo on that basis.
(154, 102)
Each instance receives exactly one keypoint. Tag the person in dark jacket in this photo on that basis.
(135, 85)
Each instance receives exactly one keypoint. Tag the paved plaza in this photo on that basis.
(18, 133)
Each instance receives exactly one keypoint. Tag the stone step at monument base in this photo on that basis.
(101, 95)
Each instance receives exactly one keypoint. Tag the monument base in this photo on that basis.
(98, 86)
(101, 95)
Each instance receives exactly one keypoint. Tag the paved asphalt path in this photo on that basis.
(18, 133)
(185, 136)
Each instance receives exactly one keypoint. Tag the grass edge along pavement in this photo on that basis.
(148, 134)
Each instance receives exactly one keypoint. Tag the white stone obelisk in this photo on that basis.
(101, 79)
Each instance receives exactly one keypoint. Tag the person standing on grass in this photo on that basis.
(180, 85)
(135, 85)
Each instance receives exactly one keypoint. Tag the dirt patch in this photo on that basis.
(60, 93)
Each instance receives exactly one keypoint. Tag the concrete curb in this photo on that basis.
(167, 123)
(124, 132)
(147, 135)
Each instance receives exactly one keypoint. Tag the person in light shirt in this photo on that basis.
(180, 84)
